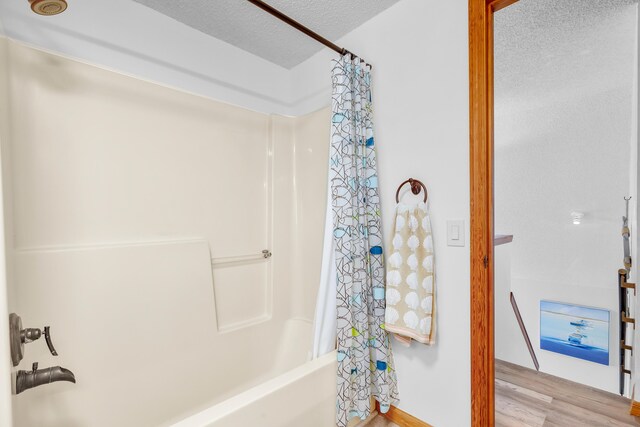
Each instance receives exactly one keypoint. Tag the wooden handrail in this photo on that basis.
(501, 239)
(525, 334)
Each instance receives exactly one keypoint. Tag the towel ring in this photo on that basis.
(416, 185)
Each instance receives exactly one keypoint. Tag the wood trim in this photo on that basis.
(496, 5)
(482, 367)
(481, 191)
(401, 418)
(501, 239)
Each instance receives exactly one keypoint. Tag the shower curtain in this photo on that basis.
(365, 363)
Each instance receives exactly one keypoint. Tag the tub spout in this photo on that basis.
(37, 377)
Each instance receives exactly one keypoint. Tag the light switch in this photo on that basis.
(455, 233)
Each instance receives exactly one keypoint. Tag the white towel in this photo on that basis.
(411, 288)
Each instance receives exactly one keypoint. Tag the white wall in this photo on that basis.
(564, 151)
(419, 50)
(2, 32)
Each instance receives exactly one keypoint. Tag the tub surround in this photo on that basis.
(5, 359)
(117, 201)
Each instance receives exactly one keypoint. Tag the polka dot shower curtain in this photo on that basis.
(365, 363)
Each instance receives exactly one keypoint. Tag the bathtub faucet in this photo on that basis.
(37, 377)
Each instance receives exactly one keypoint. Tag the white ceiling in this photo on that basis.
(246, 26)
(547, 50)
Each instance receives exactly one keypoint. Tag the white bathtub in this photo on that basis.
(304, 396)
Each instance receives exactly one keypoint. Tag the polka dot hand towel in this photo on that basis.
(411, 290)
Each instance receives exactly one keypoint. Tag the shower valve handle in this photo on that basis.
(31, 334)
(47, 338)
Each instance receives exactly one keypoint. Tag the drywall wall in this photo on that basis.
(564, 137)
(134, 39)
(419, 50)
(121, 191)
(5, 362)
(539, 181)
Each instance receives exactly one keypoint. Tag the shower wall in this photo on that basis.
(118, 194)
(310, 183)
(5, 380)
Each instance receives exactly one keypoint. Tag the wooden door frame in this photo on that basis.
(481, 192)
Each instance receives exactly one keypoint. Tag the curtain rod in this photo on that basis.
(298, 26)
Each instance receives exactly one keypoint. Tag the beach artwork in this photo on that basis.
(575, 331)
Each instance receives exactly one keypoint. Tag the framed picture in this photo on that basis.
(574, 330)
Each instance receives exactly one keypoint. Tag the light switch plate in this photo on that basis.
(455, 233)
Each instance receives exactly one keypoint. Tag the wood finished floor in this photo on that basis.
(526, 398)
(379, 421)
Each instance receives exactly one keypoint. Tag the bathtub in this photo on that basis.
(303, 396)
(166, 368)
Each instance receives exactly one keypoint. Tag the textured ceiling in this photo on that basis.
(246, 26)
(549, 49)
(564, 88)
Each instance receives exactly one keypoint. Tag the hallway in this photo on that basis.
(526, 398)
